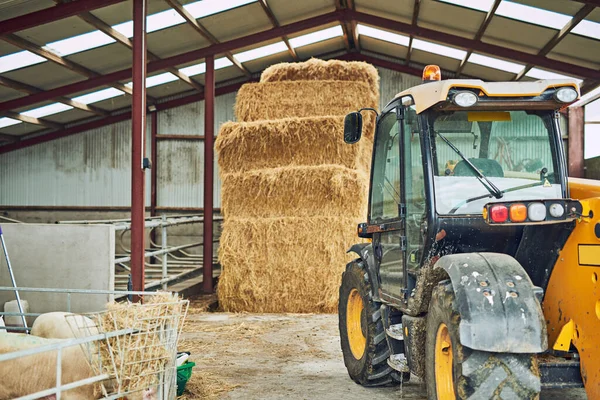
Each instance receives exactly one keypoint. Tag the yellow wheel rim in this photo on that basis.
(354, 326)
(444, 383)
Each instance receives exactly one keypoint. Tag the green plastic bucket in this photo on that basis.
(184, 372)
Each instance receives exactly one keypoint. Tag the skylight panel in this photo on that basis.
(79, 43)
(532, 15)
(588, 28)
(204, 8)
(197, 69)
(316, 37)
(495, 63)
(162, 20)
(439, 49)
(99, 95)
(260, 52)
(50, 109)
(125, 29)
(543, 74)
(480, 5)
(18, 60)
(156, 80)
(383, 35)
(4, 122)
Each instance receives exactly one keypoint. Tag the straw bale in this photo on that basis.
(321, 70)
(244, 146)
(295, 191)
(284, 264)
(288, 99)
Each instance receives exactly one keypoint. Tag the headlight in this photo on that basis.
(566, 95)
(465, 99)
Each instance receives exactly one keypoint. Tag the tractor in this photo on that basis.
(478, 270)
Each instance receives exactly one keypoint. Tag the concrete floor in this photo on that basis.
(272, 356)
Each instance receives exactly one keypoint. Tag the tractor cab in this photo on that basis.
(468, 210)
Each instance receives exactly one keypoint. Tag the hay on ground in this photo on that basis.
(244, 146)
(288, 99)
(321, 70)
(284, 264)
(295, 192)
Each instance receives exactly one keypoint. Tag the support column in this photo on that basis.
(209, 134)
(153, 174)
(138, 131)
(576, 125)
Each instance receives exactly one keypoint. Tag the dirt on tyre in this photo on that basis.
(453, 371)
(362, 334)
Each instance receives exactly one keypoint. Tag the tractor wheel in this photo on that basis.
(363, 338)
(456, 372)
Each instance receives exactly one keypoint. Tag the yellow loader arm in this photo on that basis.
(572, 301)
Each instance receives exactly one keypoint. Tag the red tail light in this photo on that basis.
(499, 213)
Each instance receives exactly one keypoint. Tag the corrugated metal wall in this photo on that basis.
(93, 168)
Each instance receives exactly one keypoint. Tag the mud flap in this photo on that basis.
(497, 303)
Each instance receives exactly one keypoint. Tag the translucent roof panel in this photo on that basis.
(79, 43)
(317, 36)
(204, 8)
(496, 63)
(98, 96)
(532, 15)
(156, 80)
(439, 49)
(4, 122)
(382, 35)
(19, 60)
(543, 74)
(198, 69)
(262, 51)
(50, 109)
(588, 28)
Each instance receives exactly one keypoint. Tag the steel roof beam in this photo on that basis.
(52, 14)
(124, 40)
(482, 28)
(309, 23)
(340, 6)
(4, 137)
(275, 23)
(25, 88)
(191, 21)
(559, 36)
(415, 19)
(34, 121)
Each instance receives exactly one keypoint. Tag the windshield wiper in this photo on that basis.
(493, 189)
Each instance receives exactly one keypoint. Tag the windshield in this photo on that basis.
(510, 149)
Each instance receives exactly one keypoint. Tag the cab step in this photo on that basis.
(559, 372)
(398, 362)
(395, 332)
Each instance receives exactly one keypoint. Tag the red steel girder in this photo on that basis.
(209, 158)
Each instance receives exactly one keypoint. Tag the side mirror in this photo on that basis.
(352, 127)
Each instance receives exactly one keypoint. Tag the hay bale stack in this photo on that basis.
(293, 191)
(321, 70)
(285, 264)
(289, 99)
(246, 146)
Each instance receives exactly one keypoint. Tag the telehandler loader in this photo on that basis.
(480, 272)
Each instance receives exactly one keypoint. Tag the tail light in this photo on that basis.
(518, 213)
(499, 213)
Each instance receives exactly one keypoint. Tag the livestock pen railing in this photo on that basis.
(164, 263)
(137, 341)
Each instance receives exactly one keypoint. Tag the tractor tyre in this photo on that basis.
(456, 372)
(362, 334)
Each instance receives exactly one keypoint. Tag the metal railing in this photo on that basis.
(163, 392)
(163, 263)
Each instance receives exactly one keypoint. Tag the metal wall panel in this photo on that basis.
(88, 169)
(392, 82)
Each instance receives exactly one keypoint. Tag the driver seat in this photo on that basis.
(488, 167)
